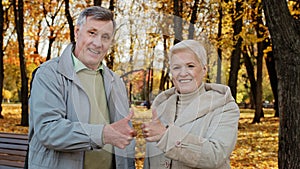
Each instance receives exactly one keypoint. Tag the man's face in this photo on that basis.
(93, 39)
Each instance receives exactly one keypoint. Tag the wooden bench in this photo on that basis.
(13, 149)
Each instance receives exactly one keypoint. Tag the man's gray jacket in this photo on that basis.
(59, 132)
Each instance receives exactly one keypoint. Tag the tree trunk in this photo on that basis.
(111, 5)
(37, 39)
(97, 2)
(110, 58)
(177, 21)
(260, 53)
(236, 54)
(219, 66)
(285, 35)
(164, 68)
(51, 41)
(1, 56)
(251, 76)
(193, 20)
(70, 21)
(19, 20)
(270, 63)
(148, 82)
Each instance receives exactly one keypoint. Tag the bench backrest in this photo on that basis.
(13, 148)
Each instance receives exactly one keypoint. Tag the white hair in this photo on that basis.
(192, 45)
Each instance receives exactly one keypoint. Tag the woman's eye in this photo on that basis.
(191, 66)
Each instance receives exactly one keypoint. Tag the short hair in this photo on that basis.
(97, 13)
(192, 45)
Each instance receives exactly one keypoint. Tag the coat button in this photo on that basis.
(178, 144)
(167, 164)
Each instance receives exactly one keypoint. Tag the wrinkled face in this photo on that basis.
(187, 72)
(93, 39)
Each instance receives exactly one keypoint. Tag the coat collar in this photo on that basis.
(65, 64)
(214, 96)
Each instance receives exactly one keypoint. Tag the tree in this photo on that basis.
(54, 20)
(218, 80)
(236, 54)
(164, 70)
(178, 6)
(193, 20)
(260, 54)
(19, 22)
(111, 5)
(97, 2)
(1, 55)
(70, 20)
(270, 63)
(285, 36)
(250, 71)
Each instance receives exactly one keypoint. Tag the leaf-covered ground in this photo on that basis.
(256, 148)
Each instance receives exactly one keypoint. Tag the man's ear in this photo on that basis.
(113, 42)
(76, 32)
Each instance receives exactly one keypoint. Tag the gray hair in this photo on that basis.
(97, 13)
(192, 45)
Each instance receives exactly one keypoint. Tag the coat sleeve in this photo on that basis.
(48, 112)
(210, 151)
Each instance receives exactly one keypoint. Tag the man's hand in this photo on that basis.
(154, 130)
(119, 133)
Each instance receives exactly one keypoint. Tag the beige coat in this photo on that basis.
(202, 137)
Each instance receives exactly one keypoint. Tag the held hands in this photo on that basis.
(119, 133)
(154, 130)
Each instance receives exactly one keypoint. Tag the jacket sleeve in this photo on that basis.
(209, 151)
(48, 113)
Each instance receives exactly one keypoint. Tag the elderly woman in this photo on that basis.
(194, 124)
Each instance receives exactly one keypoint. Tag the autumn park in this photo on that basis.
(253, 47)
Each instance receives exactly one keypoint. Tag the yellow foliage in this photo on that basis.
(256, 147)
(7, 94)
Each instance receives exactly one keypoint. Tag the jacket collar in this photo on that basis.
(214, 96)
(65, 64)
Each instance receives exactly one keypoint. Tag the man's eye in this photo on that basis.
(191, 66)
(92, 33)
(106, 37)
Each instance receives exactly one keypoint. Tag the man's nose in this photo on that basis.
(97, 41)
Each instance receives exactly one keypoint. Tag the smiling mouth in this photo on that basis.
(94, 51)
(185, 80)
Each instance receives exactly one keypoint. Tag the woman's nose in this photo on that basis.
(183, 71)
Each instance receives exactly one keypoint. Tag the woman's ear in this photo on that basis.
(204, 69)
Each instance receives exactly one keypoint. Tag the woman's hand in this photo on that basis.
(154, 130)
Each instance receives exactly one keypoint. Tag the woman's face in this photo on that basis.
(187, 72)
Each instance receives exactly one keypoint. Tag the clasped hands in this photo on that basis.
(120, 133)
